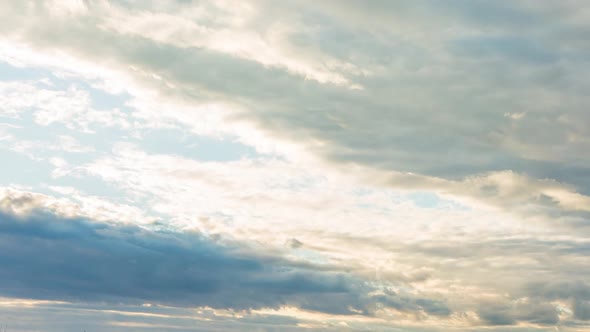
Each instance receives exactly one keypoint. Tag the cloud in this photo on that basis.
(577, 292)
(84, 261)
(77, 259)
(63, 316)
(510, 314)
(71, 107)
(429, 107)
(459, 254)
(30, 148)
(74, 204)
(477, 108)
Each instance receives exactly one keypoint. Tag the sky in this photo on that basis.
(296, 165)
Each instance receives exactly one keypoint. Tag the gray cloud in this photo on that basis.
(510, 314)
(435, 102)
(578, 292)
(82, 260)
(506, 281)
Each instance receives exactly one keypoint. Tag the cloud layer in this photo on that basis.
(308, 165)
(80, 260)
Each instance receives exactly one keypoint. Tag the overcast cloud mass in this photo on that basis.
(261, 165)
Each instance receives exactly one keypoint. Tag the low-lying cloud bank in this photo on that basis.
(76, 259)
(47, 256)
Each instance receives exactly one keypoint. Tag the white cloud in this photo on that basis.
(61, 143)
(73, 204)
(71, 107)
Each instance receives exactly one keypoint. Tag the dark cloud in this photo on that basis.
(576, 292)
(47, 257)
(401, 302)
(510, 314)
(77, 259)
(582, 309)
(560, 290)
(294, 243)
(494, 314)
